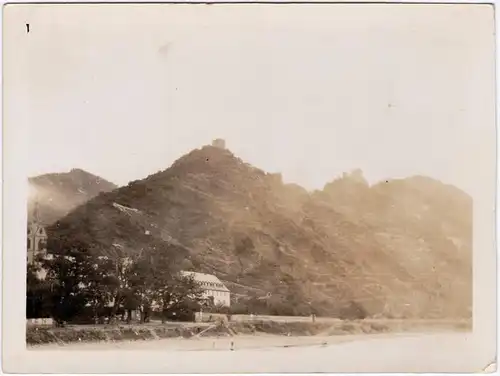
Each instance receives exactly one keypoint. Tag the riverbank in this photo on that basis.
(401, 352)
(37, 336)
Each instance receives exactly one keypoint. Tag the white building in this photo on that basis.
(212, 286)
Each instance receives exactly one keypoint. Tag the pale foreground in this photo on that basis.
(408, 352)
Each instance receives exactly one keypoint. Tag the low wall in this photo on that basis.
(40, 322)
(244, 318)
(210, 317)
(332, 320)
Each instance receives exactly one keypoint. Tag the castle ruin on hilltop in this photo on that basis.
(219, 143)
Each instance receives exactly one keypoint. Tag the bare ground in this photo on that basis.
(238, 336)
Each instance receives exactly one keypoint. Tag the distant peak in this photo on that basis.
(78, 171)
(355, 176)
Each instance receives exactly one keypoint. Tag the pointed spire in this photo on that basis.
(36, 212)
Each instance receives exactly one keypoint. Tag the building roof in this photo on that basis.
(207, 281)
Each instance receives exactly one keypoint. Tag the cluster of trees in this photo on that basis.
(283, 307)
(278, 305)
(294, 304)
(79, 283)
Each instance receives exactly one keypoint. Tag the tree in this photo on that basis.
(83, 275)
(137, 275)
(79, 279)
(120, 288)
(182, 294)
(66, 275)
(220, 308)
(100, 285)
(187, 265)
(154, 279)
(140, 292)
(38, 294)
(243, 248)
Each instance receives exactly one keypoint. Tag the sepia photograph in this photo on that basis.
(249, 188)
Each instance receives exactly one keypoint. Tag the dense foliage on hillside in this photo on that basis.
(59, 193)
(400, 248)
(81, 285)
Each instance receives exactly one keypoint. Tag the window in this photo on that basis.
(29, 243)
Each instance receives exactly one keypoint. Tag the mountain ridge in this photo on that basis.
(341, 250)
(54, 195)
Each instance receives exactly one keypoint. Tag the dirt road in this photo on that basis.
(436, 352)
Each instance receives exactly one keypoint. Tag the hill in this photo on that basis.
(401, 248)
(58, 193)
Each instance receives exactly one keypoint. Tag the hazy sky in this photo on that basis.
(310, 91)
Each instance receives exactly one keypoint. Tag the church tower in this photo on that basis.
(37, 236)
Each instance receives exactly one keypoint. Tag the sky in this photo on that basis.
(310, 91)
